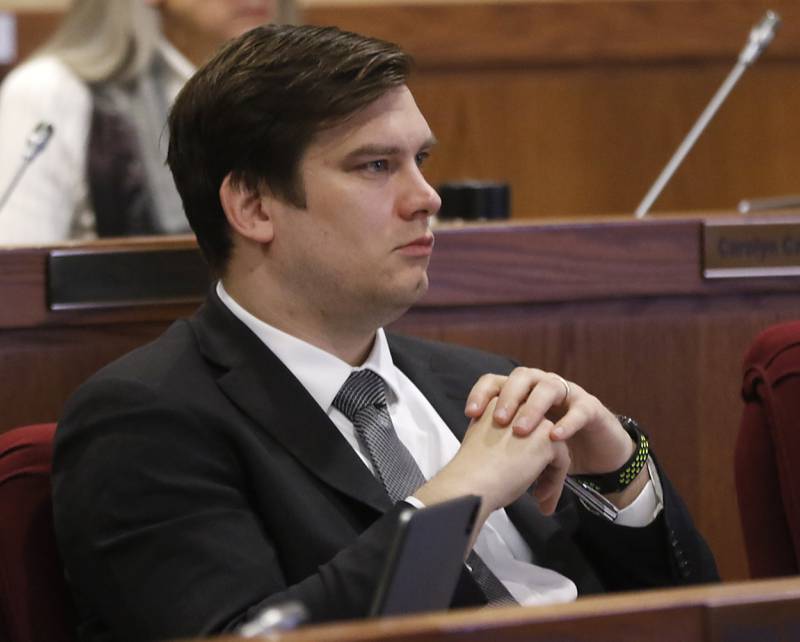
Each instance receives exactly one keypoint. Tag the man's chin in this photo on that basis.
(421, 288)
(403, 298)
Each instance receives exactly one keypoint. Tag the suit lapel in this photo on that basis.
(261, 386)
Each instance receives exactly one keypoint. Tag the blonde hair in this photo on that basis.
(108, 40)
(102, 40)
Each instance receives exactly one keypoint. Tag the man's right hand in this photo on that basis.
(499, 466)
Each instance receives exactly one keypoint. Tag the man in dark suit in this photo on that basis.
(229, 465)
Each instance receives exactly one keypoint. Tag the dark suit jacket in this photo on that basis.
(195, 481)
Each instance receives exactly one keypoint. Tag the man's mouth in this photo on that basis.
(420, 246)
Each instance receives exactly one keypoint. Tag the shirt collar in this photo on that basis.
(321, 373)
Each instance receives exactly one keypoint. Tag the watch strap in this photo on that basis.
(619, 479)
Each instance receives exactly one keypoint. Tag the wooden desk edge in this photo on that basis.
(705, 598)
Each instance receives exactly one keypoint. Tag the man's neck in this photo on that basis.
(351, 342)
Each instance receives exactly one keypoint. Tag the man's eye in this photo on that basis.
(377, 165)
(421, 158)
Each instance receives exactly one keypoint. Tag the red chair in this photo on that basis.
(767, 461)
(34, 601)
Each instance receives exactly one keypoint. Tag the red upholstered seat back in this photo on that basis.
(34, 603)
(767, 463)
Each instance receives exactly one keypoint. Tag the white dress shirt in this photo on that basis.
(51, 201)
(432, 445)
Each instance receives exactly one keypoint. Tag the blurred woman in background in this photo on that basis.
(105, 81)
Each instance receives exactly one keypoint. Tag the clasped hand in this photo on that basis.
(533, 405)
(528, 427)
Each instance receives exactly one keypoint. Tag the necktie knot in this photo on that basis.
(363, 389)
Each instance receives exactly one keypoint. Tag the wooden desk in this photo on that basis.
(745, 612)
(617, 305)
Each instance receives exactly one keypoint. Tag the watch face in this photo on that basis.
(630, 426)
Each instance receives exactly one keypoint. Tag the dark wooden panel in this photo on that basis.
(41, 367)
(499, 34)
(561, 261)
(474, 264)
(23, 281)
(22, 287)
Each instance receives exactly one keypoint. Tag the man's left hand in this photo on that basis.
(596, 440)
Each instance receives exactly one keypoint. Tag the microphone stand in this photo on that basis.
(760, 37)
(36, 142)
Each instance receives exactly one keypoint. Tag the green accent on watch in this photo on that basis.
(619, 479)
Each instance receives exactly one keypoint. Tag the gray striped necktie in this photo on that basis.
(362, 400)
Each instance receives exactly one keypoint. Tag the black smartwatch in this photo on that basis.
(619, 479)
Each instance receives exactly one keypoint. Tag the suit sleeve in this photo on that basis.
(667, 552)
(157, 532)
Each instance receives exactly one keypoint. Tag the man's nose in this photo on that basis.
(421, 199)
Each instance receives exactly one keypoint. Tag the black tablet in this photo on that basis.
(426, 558)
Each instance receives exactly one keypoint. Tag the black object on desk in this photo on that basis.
(426, 558)
(474, 200)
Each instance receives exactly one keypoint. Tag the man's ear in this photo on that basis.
(246, 211)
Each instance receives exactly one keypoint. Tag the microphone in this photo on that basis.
(748, 206)
(758, 40)
(36, 142)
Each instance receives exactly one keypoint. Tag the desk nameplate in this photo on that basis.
(117, 278)
(751, 250)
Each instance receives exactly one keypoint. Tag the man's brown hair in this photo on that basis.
(252, 111)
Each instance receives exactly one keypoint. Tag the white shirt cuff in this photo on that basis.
(649, 503)
(414, 502)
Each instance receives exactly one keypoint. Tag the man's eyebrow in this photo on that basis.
(385, 150)
(373, 150)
